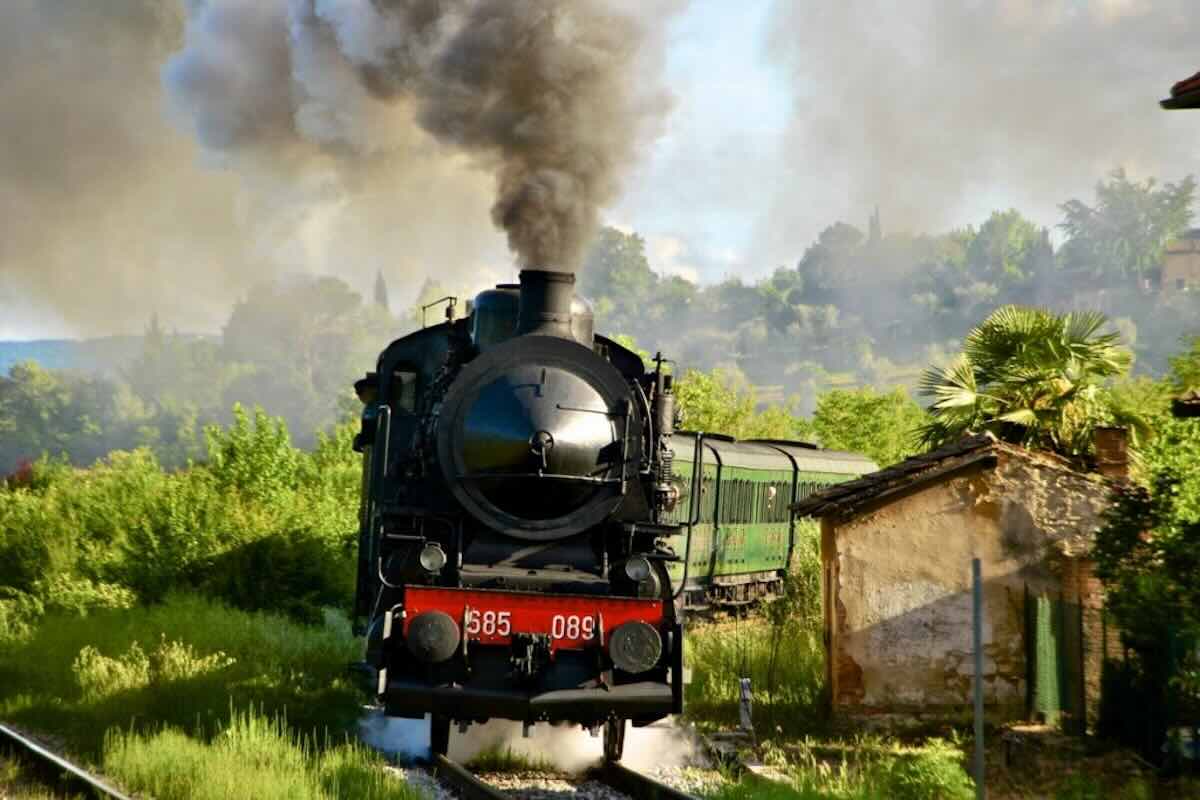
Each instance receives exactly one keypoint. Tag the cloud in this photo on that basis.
(668, 255)
(928, 108)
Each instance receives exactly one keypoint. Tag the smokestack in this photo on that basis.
(1112, 452)
(546, 303)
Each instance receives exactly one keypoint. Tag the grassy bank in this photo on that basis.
(780, 650)
(189, 698)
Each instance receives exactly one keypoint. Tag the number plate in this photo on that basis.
(573, 622)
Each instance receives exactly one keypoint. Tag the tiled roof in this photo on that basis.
(1184, 94)
(843, 497)
(940, 464)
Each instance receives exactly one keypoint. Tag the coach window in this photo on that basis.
(404, 390)
(708, 499)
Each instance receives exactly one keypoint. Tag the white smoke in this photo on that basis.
(573, 749)
(940, 112)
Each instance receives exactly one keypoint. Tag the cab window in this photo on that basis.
(404, 391)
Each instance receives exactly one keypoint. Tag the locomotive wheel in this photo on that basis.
(439, 735)
(614, 739)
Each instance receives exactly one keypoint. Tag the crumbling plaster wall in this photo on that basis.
(902, 582)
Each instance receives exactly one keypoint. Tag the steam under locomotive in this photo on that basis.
(532, 526)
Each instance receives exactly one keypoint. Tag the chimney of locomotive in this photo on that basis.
(545, 308)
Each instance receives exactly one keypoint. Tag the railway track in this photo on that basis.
(55, 770)
(628, 783)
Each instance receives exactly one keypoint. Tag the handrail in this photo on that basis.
(694, 517)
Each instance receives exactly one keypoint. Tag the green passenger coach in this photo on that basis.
(735, 500)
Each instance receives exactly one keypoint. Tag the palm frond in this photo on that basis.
(1030, 376)
(952, 386)
(1020, 416)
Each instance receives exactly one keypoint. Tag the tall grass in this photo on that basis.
(865, 770)
(786, 675)
(181, 663)
(780, 650)
(252, 756)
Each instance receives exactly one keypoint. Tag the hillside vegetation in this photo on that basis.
(862, 311)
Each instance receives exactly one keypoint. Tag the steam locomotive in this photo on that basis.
(532, 526)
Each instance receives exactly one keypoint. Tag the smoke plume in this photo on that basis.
(942, 111)
(98, 199)
(546, 96)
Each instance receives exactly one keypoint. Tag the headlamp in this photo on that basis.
(637, 568)
(433, 557)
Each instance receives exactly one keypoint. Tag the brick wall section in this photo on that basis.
(1112, 452)
(1101, 639)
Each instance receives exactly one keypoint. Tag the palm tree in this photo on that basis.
(1031, 377)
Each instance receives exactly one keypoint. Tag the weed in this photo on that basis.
(18, 782)
(500, 758)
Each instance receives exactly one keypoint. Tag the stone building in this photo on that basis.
(1181, 263)
(896, 551)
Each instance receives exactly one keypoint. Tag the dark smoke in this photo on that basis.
(548, 96)
(110, 212)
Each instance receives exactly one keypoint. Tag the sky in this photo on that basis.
(696, 222)
(786, 116)
(708, 198)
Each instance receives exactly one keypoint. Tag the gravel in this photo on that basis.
(420, 779)
(550, 786)
(555, 786)
(691, 779)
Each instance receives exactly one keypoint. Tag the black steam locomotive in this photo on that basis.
(517, 506)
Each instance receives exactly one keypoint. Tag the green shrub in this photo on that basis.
(99, 676)
(262, 525)
(934, 772)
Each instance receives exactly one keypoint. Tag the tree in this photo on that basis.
(381, 292)
(724, 402)
(62, 413)
(1031, 377)
(881, 426)
(1122, 237)
(825, 264)
(1009, 250)
(616, 266)
(304, 341)
(1185, 367)
(1148, 555)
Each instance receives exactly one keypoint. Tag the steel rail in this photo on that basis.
(463, 781)
(637, 785)
(45, 757)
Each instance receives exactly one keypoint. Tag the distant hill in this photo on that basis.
(103, 356)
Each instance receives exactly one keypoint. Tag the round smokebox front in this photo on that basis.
(532, 438)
